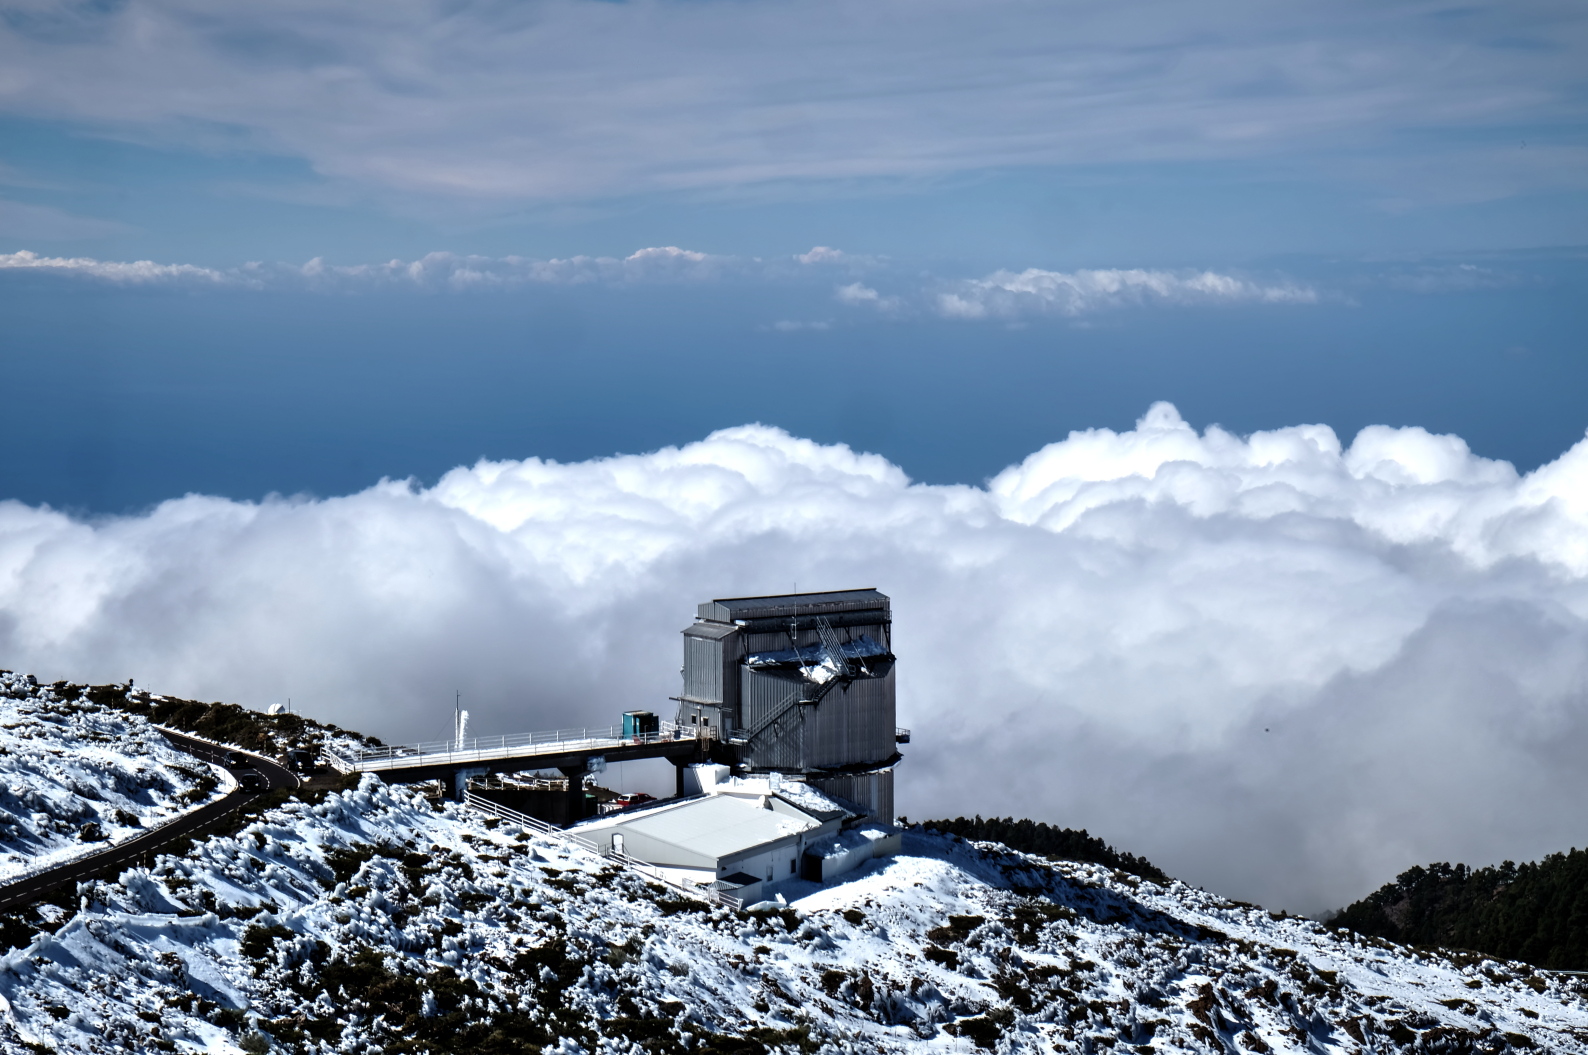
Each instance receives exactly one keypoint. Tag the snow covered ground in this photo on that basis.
(75, 775)
(369, 921)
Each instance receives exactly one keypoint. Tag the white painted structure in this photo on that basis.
(739, 835)
(828, 857)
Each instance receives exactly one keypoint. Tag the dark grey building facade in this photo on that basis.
(799, 684)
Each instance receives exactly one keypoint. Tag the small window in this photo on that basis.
(791, 866)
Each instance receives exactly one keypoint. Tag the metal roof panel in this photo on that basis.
(718, 825)
(726, 609)
(711, 631)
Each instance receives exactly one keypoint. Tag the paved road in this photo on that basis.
(123, 854)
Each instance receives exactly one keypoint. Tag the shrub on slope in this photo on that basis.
(1537, 913)
(1034, 837)
(226, 723)
(369, 921)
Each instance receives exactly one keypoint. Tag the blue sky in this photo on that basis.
(1414, 173)
(141, 393)
(1397, 192)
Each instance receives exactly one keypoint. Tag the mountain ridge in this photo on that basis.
(1536, 911)
(370, 919)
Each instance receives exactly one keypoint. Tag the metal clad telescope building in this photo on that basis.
(800, 684)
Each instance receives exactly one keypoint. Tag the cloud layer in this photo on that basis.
(1007, 294)
(120, 272)
(434, 271)
(1000, 295)
(567, 99)
(1278, 667)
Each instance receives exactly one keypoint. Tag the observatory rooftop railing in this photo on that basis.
(516, 745)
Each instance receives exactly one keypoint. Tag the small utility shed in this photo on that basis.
(744, 830)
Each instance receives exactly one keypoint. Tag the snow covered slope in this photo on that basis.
(371, 922)
(74, 774)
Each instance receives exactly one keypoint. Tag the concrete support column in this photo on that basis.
(573, 809)
(460, 781)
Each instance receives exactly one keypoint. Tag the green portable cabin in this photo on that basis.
(640, 723)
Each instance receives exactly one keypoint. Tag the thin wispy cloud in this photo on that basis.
(800, 325)
(1449, 278)
(24, 220)
(566, 99)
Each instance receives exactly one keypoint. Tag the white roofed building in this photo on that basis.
(740, 835)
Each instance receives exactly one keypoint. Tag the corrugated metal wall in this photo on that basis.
(851, 725)
(703, 669)
(872, 790)
(711, 669)
(760, 696)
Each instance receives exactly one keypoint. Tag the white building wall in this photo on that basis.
(771, 864)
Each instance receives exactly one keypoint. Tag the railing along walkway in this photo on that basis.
(527, 823)
(491, 748)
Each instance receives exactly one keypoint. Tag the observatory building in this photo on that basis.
(801, 685)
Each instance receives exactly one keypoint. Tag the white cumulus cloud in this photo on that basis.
(1277, 665)
(1007, 294)
(455, 271)
(433, 271)
(856, 293)
(823, 254)
(1000, 295)
(860, 295)
(121, 272)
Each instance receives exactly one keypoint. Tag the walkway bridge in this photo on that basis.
(570, 751)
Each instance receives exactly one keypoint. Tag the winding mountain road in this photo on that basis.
(273, 774)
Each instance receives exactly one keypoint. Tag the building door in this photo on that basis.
(617, 844)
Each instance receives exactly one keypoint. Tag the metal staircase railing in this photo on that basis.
(784, 705)
(832, 646)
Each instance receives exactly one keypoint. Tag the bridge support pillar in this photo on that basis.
(460, 781)
(573, 807)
